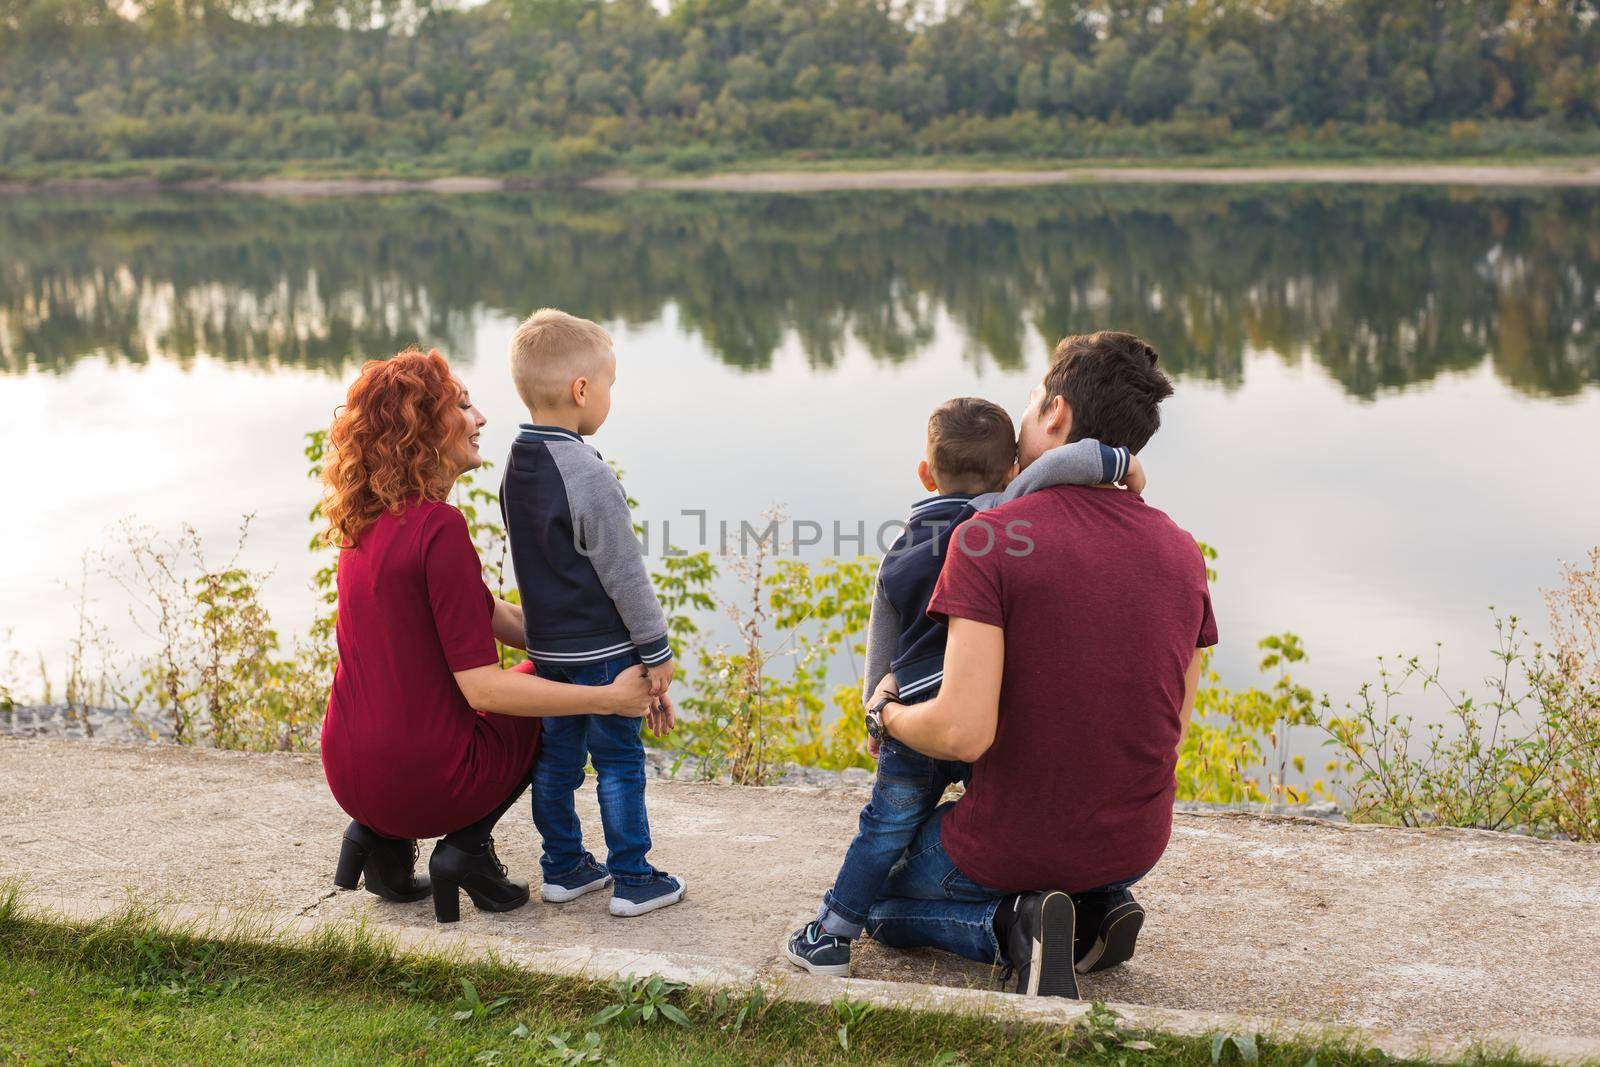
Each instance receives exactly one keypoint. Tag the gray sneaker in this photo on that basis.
(820, 952)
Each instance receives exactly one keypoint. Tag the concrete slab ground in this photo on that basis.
(1422, 939)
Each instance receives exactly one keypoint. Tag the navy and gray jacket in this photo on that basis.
(579, 566)
(901, 637)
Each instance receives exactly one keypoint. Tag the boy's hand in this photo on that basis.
(1134, 479)
(663, 716)
(886, 688)
(661, 677)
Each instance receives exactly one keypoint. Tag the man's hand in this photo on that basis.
(874, 748)
(1134, 479)
(663, 717)
(661, 677)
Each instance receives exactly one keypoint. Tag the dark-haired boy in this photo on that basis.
(970, 465)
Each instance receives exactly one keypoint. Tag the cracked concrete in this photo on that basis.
(1423, 940)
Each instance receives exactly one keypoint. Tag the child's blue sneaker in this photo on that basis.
(660, 891)
(586, 877)
(820, 952)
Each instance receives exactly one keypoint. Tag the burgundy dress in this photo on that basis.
(402, 750)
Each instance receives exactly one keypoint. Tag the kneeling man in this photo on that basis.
(1076, 617)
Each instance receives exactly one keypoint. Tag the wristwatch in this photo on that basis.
(875, 718)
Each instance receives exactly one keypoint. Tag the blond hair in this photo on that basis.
(549, 350)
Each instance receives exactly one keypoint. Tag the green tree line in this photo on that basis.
(1383, 287)
(571, 86)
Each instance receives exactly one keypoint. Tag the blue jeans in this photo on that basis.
(907, 789)
(614, 744)
(928, 901)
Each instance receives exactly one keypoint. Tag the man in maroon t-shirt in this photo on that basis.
(1076, 619)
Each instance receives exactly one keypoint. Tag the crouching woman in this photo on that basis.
(426, 735)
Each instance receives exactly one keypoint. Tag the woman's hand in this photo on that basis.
(629, 694)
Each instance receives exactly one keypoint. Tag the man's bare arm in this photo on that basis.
(959, 723)
(1191, 685)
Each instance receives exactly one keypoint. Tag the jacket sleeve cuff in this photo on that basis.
(654, 653)
(1113, 463)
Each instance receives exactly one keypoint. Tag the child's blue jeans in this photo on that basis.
(907, 789)
(613, 743)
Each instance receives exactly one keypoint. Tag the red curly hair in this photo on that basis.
(388, 443)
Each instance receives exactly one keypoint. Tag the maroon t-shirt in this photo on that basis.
(402, 749)
(1103, 600)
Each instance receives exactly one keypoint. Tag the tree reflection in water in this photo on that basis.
(1383, 287)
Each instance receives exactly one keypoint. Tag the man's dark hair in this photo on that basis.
(971, 445)
(1112, 384)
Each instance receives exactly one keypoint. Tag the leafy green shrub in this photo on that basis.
(765, 702)
(216, 675)
(693, 158)
(1238, 736)
(1526, 754)
(570, 157)
(504, 159)
(793, 123)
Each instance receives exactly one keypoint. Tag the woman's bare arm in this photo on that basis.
(488, 688)
(508, 624)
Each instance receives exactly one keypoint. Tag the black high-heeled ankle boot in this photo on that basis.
(389, 865)
(480, 873)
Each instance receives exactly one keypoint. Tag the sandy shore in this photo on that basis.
(288, 187)
(1578, 173)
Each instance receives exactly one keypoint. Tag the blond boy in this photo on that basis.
(591, 612)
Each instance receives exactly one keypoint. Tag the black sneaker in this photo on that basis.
(1039, 939)
(1108, 931)
(820, 952)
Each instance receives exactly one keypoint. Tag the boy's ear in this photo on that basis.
(580, 391)
(925, 472)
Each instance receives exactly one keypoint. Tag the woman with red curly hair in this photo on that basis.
(426, 735)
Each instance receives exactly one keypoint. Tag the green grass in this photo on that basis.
(131, 990)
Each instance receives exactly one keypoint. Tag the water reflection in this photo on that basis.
(1383, 287)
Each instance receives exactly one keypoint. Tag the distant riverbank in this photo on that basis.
(1583, 173)
(1579, 173)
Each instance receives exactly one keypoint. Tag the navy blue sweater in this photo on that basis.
(586, 594)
